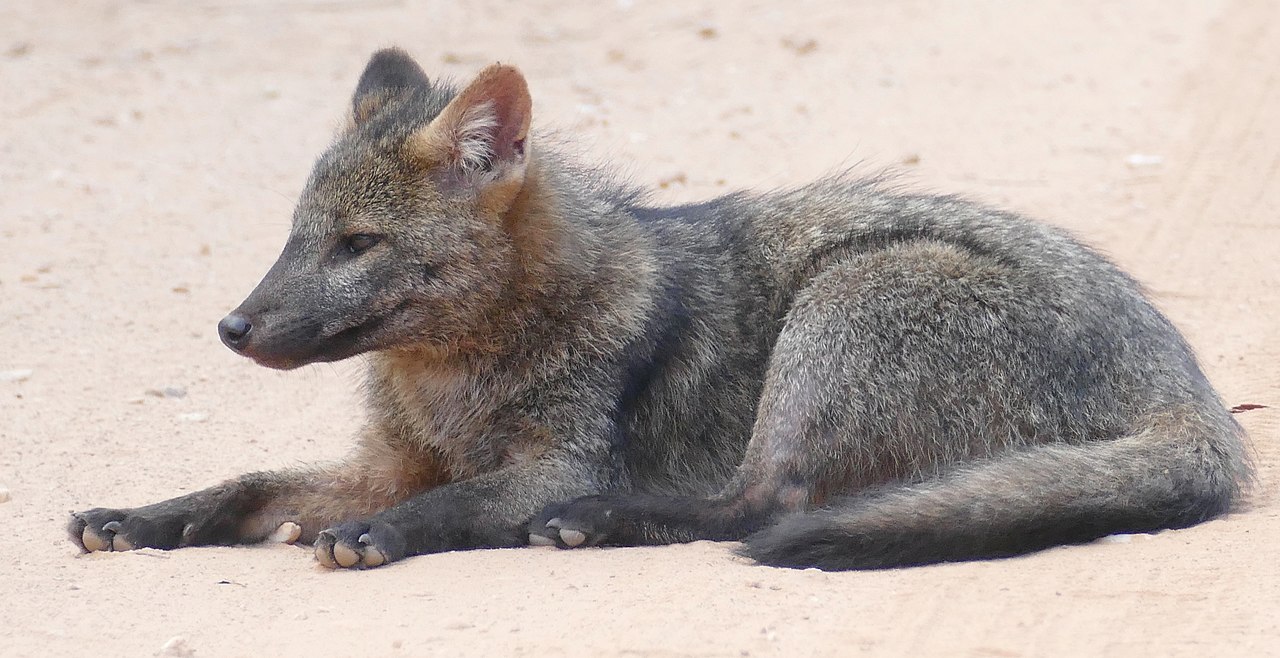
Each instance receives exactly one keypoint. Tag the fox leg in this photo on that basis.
(490, 510)
(249, 508)
(849, 402)
(787, 463)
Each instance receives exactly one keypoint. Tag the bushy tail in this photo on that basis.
(1176, 472)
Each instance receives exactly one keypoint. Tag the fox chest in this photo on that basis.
(458, 418)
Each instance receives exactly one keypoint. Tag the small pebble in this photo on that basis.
(167, 392)
(177, 646)
(4, 494)
(20, 375)
(1143, 160)
(193, 417)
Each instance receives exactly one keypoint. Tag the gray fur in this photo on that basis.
(860, 376)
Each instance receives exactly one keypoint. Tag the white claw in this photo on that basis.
(118, 542)
(540, 540)
(372, 556)
(572, 537)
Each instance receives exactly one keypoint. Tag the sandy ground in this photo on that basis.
(150, 153)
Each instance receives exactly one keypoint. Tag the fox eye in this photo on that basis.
(360, 242)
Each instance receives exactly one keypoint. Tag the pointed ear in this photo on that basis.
(479, 139)
(390, 72)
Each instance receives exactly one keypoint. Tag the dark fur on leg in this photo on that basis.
(635, 520)
(211, 516)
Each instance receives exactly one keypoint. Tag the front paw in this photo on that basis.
(104, 529)
(586, 521)
(359, 545)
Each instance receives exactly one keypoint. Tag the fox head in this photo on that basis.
(400, 236)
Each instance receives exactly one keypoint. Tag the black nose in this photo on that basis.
(234, 330)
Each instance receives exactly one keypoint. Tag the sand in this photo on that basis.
(150, 153)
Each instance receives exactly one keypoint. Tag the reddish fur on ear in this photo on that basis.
(482, 132)
(505, 88)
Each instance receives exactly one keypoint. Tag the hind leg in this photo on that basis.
(863, 385)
